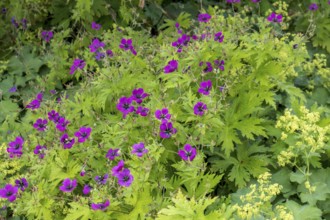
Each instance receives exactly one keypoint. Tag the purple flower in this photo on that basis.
(39, 96)
(40, 150)
(273, 17)
(68, 185)
(204, 18)
(171, 66)
(112, 153)
(255, 1)
(40, 124)
(177, 26)
(24, 23)
(100, 206)
(83, 134)
(162, 115)
(53, 116)
(222, 88)
(166, 130)
(181, 42)
(207, 67)
(125, 105)
(99, 55)
(126, 44)
(189, 153)
(15, 147)
(200, 108)
(82, 173)
(61, 124)
(138, 95)
(47, 35)
(313, 7)
(109, 53)
(117, 169)
(77, 64)
(22, 184)
(14, 22)
(95, 45)
(53, 91)
(35, 104)
(87, 189)
(218, 37)
(96, 26)
(102, 179)
(139, 149)
(13, 89)
(9, 192)
(205, 87)
(133, 51)
(142, 111)
(125, 178)
(66, 141)
(220, 64)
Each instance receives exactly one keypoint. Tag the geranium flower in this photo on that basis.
(112, 154)
(207, 67)
(220, 64)
(162, 115)
(125, 105)
(67, 142)
(273, 17)
(40, 124)
(117, 169)
(22, 184)
(15, 147)
(219, 37)
(204, 18)
(87, 189)
(125, 178)
(40, 150)
(313, 7)
(102, 179)
(205, 87)
(139, 149)
(95, 26)
(47, 35)
(166, 130)
(9, 192)
(68, 185)
(100, 206)
(200, 108)
(171, 66)
(77, 64)
(83, 134)
(188, 153)
(142, 111)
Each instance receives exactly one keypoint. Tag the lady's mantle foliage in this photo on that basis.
(68, 185)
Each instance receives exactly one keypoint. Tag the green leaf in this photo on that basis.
(305, 212)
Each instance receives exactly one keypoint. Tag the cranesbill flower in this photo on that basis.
(205, 87)
(166, 130)
(177, 26)
(22, 184)
(35, 104)
(83, 134)
(14, 22)
(200, 108)
(9, 192)
(40, 124)
(112, 153)
(162, 115)
(126, 44)
(13, 89)
(100, 206)
(83, 172)
(24, 23)
(47, 35)
(255, 1)
(102, 179)
(95, 26)
(87, 189)
(61, 124)
(142, 111)
(40, 150)
(220, 64)
(95, 45)
(204, 18)
(67, 142)
(77, 64)
(207, 67)
(125, 105)
(39, 96)
(181, 42)
(313, 7)
(138, 95)
(188, 152)
(218, 37)
(273, 17)
(139, 149)
(53, 115)
(171, 66)
(125, 178)
(68, 185)
(109, 53)
(99, 55)
(117, 169)
(15, 147)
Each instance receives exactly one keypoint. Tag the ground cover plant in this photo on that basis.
(221, 115)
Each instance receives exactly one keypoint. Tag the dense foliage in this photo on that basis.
(222, 114)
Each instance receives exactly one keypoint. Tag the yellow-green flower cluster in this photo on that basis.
(310, 136)
(257, 201)
(318, 66)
